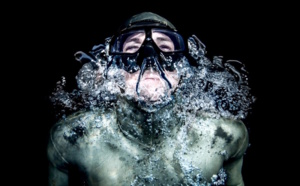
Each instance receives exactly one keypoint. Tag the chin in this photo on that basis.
(153, 105)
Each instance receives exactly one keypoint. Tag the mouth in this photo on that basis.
(151, 78)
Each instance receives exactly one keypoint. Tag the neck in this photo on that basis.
(146, 128)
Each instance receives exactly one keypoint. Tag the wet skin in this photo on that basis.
(126, 145)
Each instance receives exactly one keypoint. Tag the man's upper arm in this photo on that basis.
(234, 164)
(57, 177)
(58, 172)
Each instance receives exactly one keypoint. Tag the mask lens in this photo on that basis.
(129, 42)
(168, 41)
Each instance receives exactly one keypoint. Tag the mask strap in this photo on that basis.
(161, 72)
(140, 75)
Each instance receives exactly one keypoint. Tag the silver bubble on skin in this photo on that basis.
(214, 88)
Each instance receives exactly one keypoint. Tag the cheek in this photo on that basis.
(173, 78)
(131, 79)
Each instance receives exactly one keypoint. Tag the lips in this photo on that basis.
(151, 76)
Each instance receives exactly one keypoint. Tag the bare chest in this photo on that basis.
(175, 161)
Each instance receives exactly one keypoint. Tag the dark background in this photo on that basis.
(51, 34)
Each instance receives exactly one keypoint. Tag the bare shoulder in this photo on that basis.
(229, 134)
(236, 135)
(79, 128)
(236, 128)
(81, 123)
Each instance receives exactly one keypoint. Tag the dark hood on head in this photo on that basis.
(146, 19)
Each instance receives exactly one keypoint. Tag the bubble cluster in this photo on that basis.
(213, 87)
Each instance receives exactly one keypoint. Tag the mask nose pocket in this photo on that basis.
(148, 53)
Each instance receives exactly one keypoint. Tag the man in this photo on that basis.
(156, 113)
